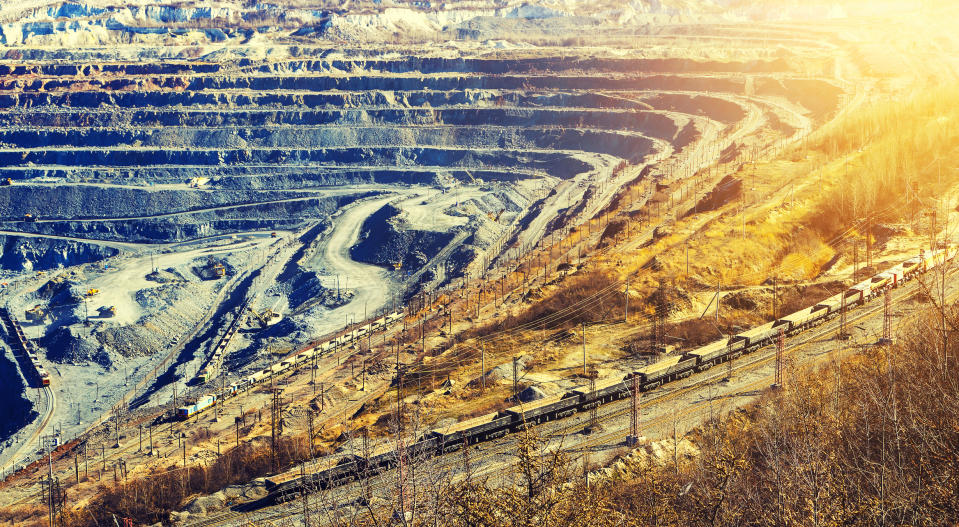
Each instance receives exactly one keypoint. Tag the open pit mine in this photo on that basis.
(203, 201)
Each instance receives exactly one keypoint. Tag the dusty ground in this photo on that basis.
(696, 128)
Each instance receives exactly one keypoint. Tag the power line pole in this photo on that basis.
(886, 319)
(775, 298)
(483, 365)
(584, 347)
(719, 287)
(51, 507)
(855, 256)
(626, 295)
(274, 408)
(780, 349)
(593, 421)
(633, 437)
(842, 318)
(515, 378)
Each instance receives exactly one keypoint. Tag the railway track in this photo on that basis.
(618, 409)
(51, 399)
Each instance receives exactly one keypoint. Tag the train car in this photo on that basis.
(470, 431)
(542, 410)
(606, 390)
(859, 293)
(711, 354)
(666, 370)
(347, 469)
(44, 377)
(832, 305)
(800, 320)
(912, 266)
(386, 456)
(282, 486)
(185, 412)
(654, 375)
(938, 257)
(881, 282)
(756, 337)
(425, 447)
(896, 275)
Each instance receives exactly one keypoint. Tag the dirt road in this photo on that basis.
(370, 284)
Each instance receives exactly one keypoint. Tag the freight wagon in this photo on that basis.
(185, 412)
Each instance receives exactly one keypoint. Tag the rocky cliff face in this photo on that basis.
(16, 410)
(36, 254)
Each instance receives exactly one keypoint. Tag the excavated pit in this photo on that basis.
(310, 123)
(127, 133)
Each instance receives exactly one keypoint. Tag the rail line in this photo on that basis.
(500, 447)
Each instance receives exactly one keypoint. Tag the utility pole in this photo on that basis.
(842, 319)
(274, 409)
(886, 319)
(593, 410)
(626, 295)
(584, 347)
(855, 256)
(780, 349)
(633, 436)
(515, 379)
(718, 296)
(51, 504)
(775, 298)
(483, 365)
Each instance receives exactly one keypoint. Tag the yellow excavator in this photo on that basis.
(267, 318)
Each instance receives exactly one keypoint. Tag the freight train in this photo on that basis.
(295, 361)
(491, 426)
(212, 368)
(20, 343)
